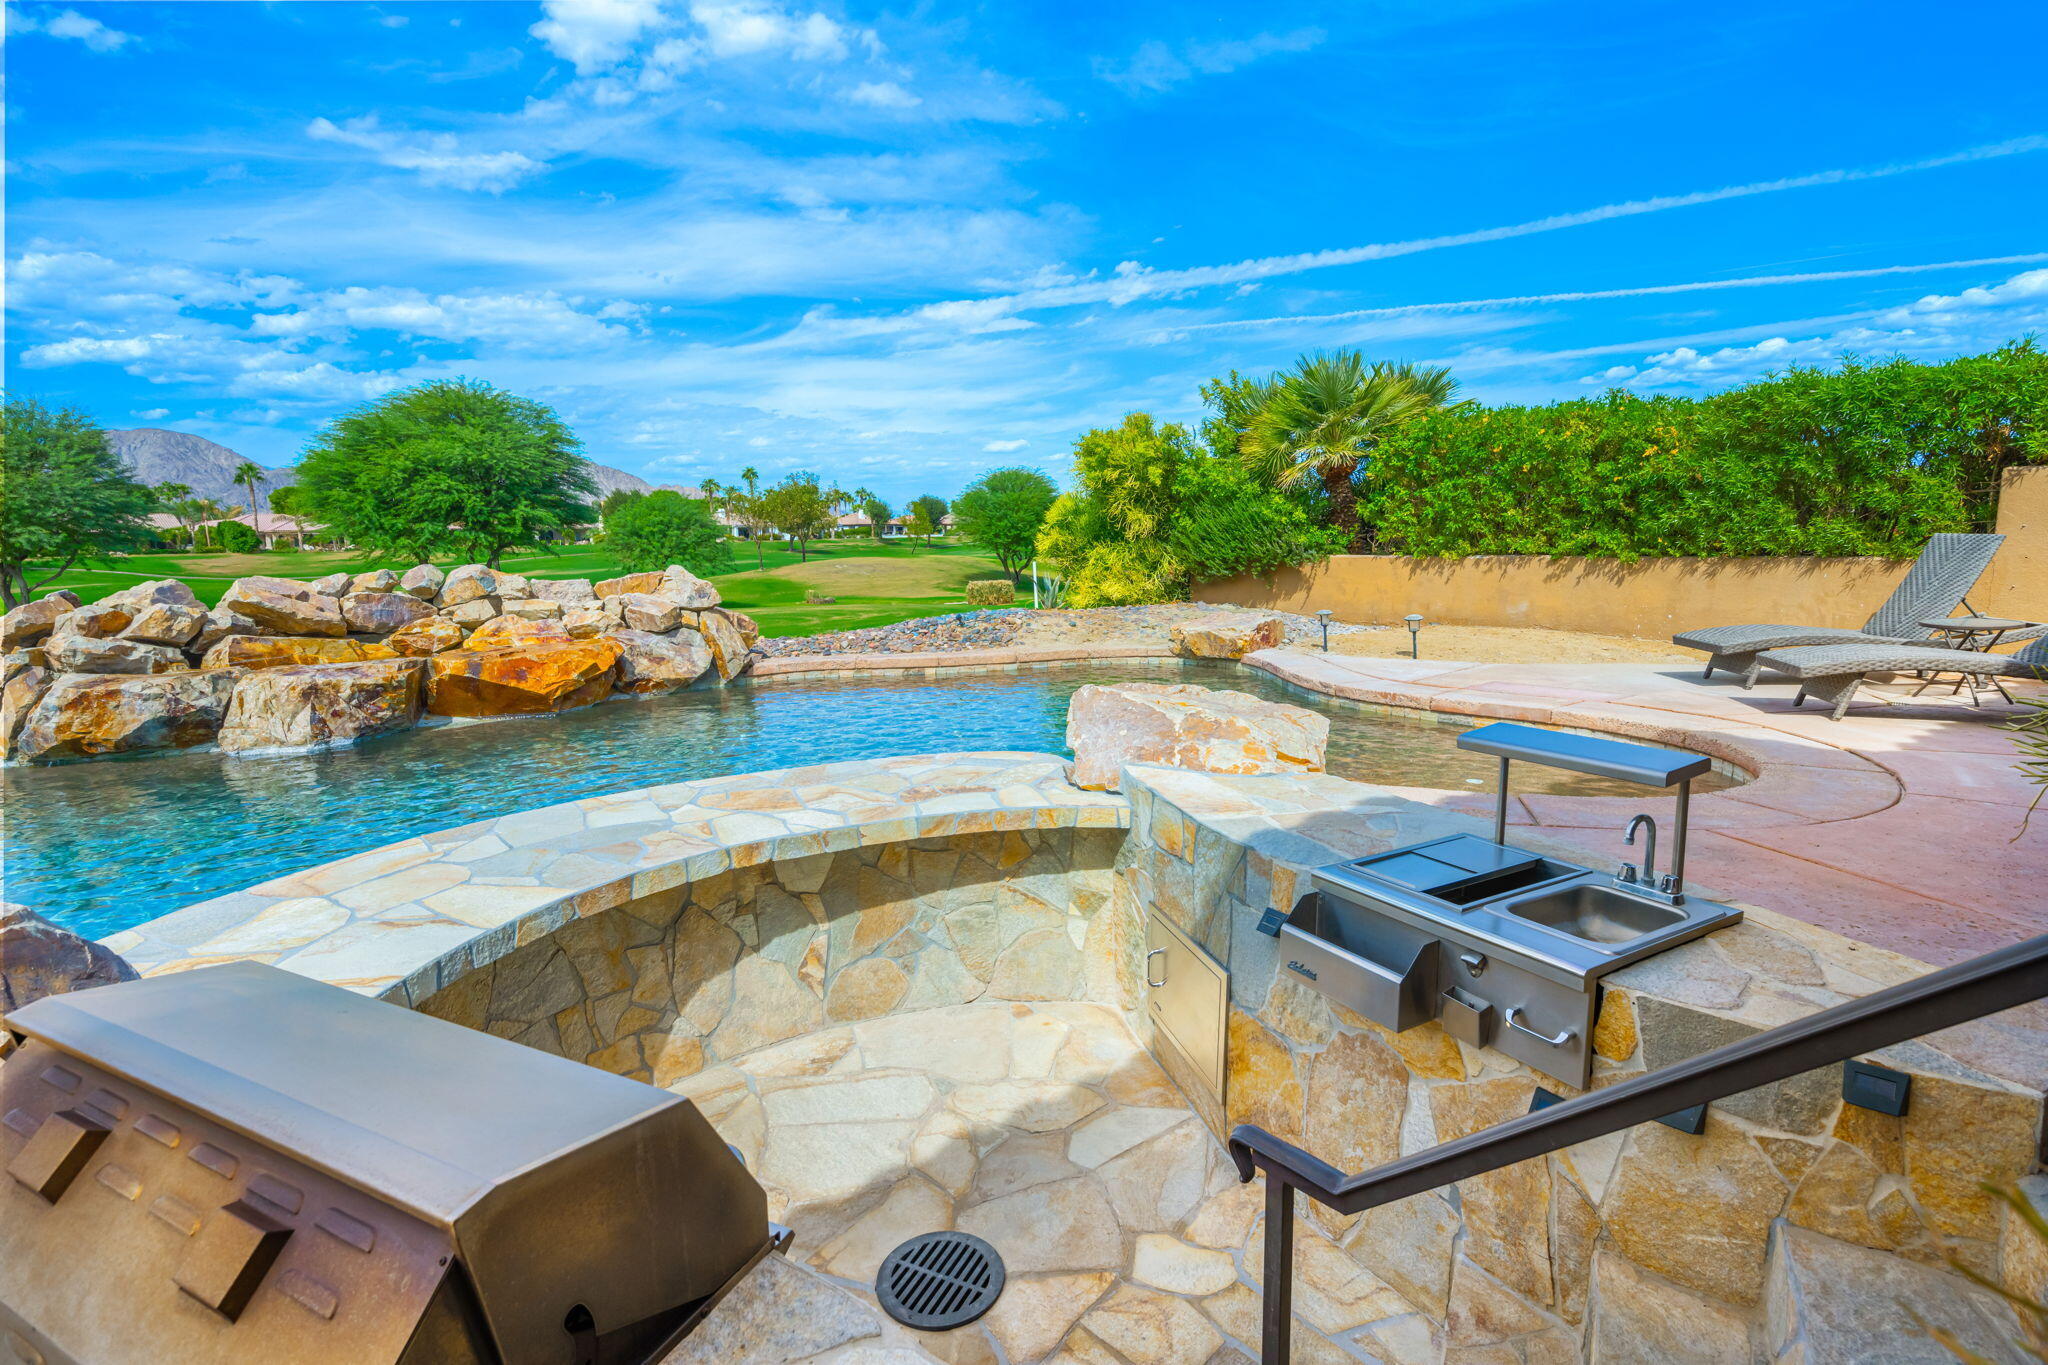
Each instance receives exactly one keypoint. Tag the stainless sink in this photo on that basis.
(1595, 913)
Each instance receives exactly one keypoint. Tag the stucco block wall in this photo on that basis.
(1650, 598)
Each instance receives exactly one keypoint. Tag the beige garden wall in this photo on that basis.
(1652, 597)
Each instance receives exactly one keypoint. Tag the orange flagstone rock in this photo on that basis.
(277, 651)
(17, 698)
(632, 582)
(523, 680)
(84, 715)
(502, 631)
(660, 663)
(84, 654)
(728, 651)
(317, 706)
(428, 635)
(1227, 636)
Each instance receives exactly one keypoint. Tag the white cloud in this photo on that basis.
(437, 157)
(883, 95)
(153, 414)
(594, 34)
(1156, 67)
(745, 28)
(1004, 447)
(71, 24)
(87, 350)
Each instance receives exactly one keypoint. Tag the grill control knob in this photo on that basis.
(223, 1265)
(58, 1152)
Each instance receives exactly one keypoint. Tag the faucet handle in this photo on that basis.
(1627, 874)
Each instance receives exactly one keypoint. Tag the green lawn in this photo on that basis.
(875, 584)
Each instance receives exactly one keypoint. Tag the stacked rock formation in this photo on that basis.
(283, 666)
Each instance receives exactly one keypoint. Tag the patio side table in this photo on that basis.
(1972, 635)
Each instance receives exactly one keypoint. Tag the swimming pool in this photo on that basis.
(103, 846)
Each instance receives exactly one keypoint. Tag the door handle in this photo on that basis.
(1514, 1017)
(1156, 952)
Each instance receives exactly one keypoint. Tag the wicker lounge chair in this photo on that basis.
(1832, 673)
(1933, 588)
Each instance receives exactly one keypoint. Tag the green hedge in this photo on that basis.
(1864, 460)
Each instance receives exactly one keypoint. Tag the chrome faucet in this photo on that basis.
(1628, 870)
(1668, 888)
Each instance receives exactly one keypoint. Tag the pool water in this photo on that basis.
(103, 846)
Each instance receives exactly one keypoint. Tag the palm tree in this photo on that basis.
(1325, 417)
(172, 497)
(250, 474)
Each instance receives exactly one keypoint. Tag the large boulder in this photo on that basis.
(1227, 635)
(533, 608)
(660, 663)
(167, 592)
(748, 627)
(308, 615)
(512, 585)
(305, 707)
(222, 622)
(283, 651)
(567, 591)
(422, 581)
(645, 611)
(1208, 730)
(18, 696)
(84, 654)
(281, 587)
(331, 585)
(467, 584)
(85, 715)
(685, 589)
(376, 580)
(15, 660)
(526, 680)
(31, 621)
(584, 623)
(473, 613)
(100, 621)
(729, 653)
(166, 623)
(428, 635)
(515, 630)
(380, 613)
(39, 958)
(632, 582)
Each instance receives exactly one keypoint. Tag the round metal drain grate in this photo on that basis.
(940, 1280)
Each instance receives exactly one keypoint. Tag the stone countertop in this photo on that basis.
(406, 920)
(1767, 970)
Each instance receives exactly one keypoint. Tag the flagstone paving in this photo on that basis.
(1043, 1128)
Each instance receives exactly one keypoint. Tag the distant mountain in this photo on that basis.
(156, 456)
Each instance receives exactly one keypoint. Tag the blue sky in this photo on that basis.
(901, 245)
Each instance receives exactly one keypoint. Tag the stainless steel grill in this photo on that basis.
(240, 1164)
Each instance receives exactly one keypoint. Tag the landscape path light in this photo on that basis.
(1414, 635)
(1323, 618)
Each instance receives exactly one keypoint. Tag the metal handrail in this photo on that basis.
(1941, 999)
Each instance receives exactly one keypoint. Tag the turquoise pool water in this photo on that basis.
(102, 846)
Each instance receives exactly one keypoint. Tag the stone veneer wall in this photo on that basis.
(1645, 1245)
(666, 984)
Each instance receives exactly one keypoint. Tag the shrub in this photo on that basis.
(238, 539)
(1866, 460)
(991, 592)
(818, 599)
(1156, 512)
(663, 527)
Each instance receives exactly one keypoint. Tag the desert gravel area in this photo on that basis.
(1023, 628)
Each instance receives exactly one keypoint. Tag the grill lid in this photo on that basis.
(1446, 864)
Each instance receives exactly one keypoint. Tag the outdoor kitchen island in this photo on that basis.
(1700, 1238)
